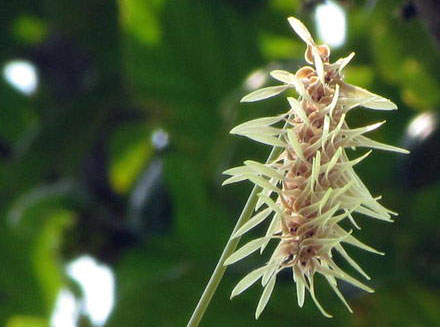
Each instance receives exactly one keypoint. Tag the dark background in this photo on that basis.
(83, 170)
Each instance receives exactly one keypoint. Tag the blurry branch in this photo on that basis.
(34, 196)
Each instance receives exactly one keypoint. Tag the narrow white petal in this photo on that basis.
(325, 131)
(312, 294)
(245, 250)
(271, 204)
(268, 274)
(355, 242)
(266, 193)
(379, 103)
(362, 141)
(300, 280)
(329, 242)
(336, 219)
(294, 143)
(361, 130)
(273, 228)
(371, 203)
(252, 222)
(333, 285)
(234, 179)
(353, 263)
(269, 140)
(373, 214)
(260, 122)
(358, 160)
(305, 211)
(338, 127)
(344, 61)
(333, 161)
(366, 98)
(319, 220)
(301, 30)
(315, 170)
(324, 199)
(263, 183)
(389, 211)
(284, 76)
(311, 181)
(338, 273)
(263, 169)
(300, 293)
(248, 281)
(257, 130)
(350, 217)
(265, 296)
(318, 64)
(289, 79)
(297, 108)
(315, 146)
(339, 191)
(334, 102)
(264, 93)
(238, 171)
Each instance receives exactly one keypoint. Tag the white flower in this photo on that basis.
(311, 186)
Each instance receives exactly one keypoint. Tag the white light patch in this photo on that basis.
(65, 313)
(422, 126)
(98, 286)
(160, 139)
(22, 75)
(331, 22)
(255, 80)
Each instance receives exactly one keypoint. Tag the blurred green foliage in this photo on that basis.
(77, 156)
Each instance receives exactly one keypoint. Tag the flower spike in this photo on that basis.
(311, 187)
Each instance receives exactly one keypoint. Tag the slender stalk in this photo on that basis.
(220, 269)
(230, 247)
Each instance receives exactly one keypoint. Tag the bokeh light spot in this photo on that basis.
(331, 23)
(98, 286)
(21, 75)
(160, 139)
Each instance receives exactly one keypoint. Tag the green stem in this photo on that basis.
(230, 247)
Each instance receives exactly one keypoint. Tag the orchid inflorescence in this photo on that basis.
(310, 187)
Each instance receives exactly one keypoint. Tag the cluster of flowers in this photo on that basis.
(310, 187)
